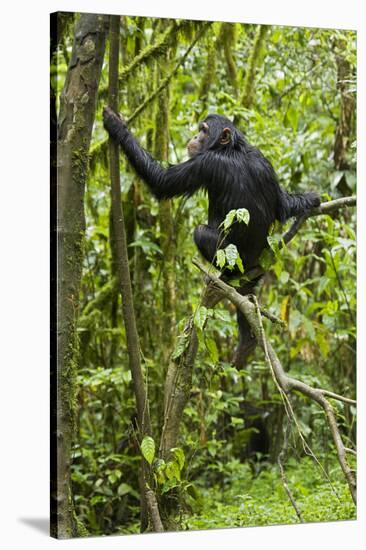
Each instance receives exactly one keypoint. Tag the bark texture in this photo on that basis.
(149, 506)
(77, 112)
(167, 230)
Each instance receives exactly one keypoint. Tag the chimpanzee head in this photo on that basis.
(215, 132)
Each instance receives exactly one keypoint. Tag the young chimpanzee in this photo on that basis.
(235, 175)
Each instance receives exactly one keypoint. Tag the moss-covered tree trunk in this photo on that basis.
(254, 63)
(166, 222)
(76, 118)
(344, 128)
(227, 40)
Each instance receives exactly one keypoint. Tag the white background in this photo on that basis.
(24, 273)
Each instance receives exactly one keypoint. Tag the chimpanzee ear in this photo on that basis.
(225, 136)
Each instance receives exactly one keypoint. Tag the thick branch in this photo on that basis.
(124, 279)
(122, 266)
(154, 514)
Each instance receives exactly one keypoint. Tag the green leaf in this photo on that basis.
(114, 476)
(212, 349)
(220, 258)
(266, 259)
(309, 328)
(97, 499)
(160, 467)
(237, 421)
(229, 219)
(181, 345)
(323, 344)
(148, 448)
(123, 489)
(351, 180)
(284, 277)
(231, 253)
(242, 215)
(172, 470)
(179, 455)
(273, 243)
(239, 263)
(200, 317)
(291, 118)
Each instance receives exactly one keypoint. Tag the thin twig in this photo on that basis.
(280, 461)
(272, 317)
(351, 451)
(338, 397)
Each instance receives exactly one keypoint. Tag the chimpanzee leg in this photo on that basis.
(207, 240)
(247, 340)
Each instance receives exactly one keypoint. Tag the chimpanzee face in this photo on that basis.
(198, 142)
(212, 134)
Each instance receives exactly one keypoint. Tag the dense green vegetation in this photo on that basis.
(292, 93)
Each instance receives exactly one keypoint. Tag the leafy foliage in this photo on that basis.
(216, 475)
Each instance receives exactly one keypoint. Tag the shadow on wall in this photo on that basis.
(39, 524)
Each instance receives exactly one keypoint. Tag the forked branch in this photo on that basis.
(285, 382)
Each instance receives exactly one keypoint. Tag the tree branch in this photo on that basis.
(280, 461)
(122, 265)
(328, 207)
(286, 383)
(168, 78)
(151, 51)
(154, 514)
(124, 280)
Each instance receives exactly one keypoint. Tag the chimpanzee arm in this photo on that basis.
(181, 179)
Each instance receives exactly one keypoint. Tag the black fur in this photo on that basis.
(235, 175)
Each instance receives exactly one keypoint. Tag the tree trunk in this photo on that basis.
(178, 383)
(77, 112)
(247, 97)
(342, 140)
(167, 230)
(149, 507)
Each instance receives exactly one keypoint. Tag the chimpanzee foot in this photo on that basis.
(212, 295)
(243, 351)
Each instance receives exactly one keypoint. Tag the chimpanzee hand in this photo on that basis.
(113, 122)
(313, 198)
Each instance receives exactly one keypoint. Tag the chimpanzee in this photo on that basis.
(235, 175)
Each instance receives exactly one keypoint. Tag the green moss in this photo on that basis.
(249, 83)
(228, 38)
(210, 71)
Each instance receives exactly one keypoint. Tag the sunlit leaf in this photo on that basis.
(148, 448)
